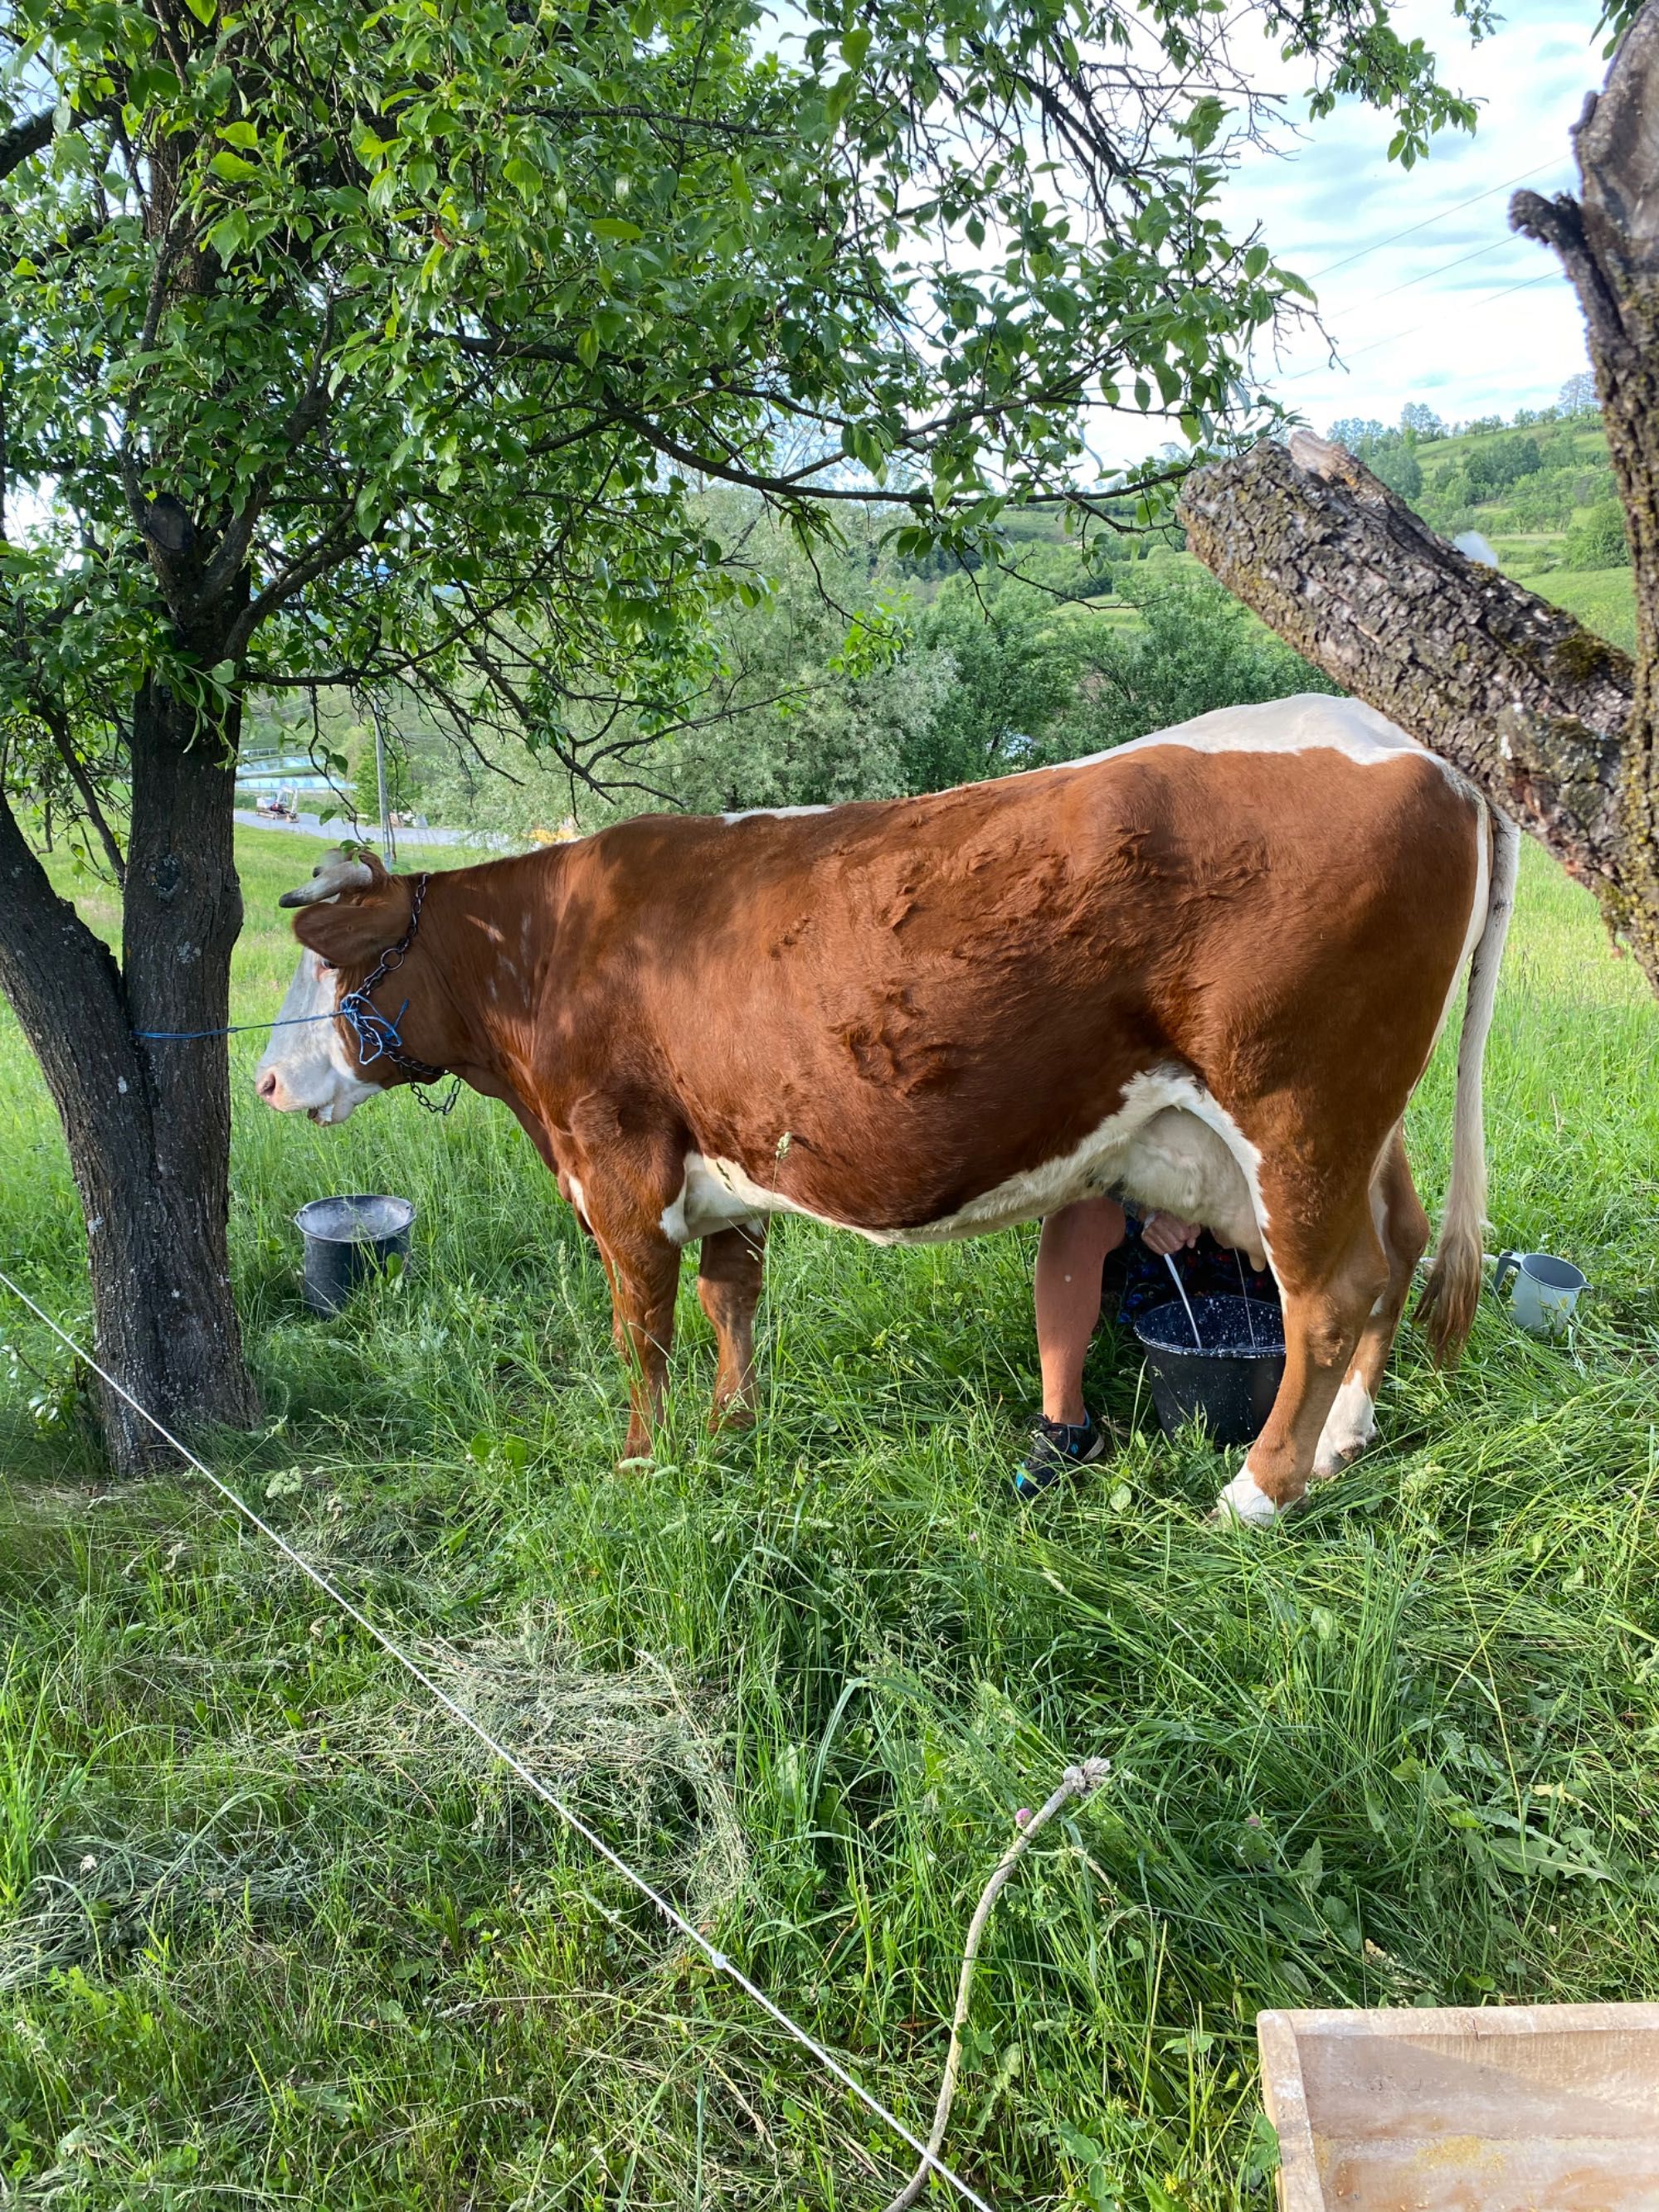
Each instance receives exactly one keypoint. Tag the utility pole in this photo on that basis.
(388, 843)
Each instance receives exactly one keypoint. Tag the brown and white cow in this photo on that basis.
(1205, 971)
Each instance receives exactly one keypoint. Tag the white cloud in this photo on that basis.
(1458, 311)
(1462, 313)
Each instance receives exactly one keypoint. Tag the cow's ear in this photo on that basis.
(353, 929)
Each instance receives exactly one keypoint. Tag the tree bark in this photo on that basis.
(148, 1125)
(1526, 702)
(1608, 242)
(1556, 726)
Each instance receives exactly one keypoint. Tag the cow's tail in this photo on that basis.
(1450, 1295)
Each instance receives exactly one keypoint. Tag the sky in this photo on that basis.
(1434, 316)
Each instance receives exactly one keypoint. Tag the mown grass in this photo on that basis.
(1603, 599)
(271, 1934)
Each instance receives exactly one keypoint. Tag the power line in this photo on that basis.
(716, 1958)
(1548, 276)
(1321, 368)
(1492, 191)
(1444, 269)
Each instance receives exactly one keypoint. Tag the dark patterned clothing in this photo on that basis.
(1141, 1279)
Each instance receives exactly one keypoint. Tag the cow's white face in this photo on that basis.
(311, 1069)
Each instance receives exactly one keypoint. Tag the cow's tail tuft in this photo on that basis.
(1447, 1307)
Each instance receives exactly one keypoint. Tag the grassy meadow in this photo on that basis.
(271, 1935)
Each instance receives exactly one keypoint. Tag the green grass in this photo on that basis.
(270, 1934)
(1603, 599)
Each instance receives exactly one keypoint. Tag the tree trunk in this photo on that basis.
(1558, 727)
(148, 1125)
(1608, 243)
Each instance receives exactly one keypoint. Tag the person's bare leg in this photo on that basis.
(1073, 1249)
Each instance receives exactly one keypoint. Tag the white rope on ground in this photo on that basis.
(931, 2161)
(1077, 1782)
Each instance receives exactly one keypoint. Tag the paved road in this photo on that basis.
(312, 825)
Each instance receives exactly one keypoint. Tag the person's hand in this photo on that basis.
(1165, 1233)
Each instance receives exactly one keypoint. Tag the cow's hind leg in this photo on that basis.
(728, 1289)
(1403, 1228)
(1330, 1278)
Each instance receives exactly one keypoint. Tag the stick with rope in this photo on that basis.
(1076, 1781)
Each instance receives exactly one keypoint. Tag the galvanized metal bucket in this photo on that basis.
(349, 1239)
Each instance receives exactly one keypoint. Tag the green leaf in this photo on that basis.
(1204, 121)
(839, 97)
(239, 134)
(232, 167)
(228, 235)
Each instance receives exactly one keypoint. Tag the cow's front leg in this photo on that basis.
(644, 1268)
(728, 1288)
(624, 1164)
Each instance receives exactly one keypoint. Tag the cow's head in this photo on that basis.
(351, 912)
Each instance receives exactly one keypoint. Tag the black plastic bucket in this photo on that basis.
(1230, 1379)
(347, 1239)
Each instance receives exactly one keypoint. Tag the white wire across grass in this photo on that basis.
(928, 2153)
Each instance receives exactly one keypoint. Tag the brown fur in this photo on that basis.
(884, 1010)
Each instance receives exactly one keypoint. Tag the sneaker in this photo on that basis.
(1057, 1447)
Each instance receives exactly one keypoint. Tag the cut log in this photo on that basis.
(1558, 727)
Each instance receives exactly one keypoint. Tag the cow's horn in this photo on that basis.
(328, 880)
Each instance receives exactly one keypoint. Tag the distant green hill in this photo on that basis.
(1603, 599)
(1540, 491)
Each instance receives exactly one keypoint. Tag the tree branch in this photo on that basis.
(57, 729)
(338, 545)
(1525, 701)
(23, 139)
(44, 945)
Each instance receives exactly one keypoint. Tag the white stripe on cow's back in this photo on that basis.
(1309, 722)
(755, 813)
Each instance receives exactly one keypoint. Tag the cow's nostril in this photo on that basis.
(266, 1085)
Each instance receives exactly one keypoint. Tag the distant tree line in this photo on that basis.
(854, 678)
(1548, 476)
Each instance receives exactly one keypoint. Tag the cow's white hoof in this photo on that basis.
(1350, 1425)
(1242, 1500)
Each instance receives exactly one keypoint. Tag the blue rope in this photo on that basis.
(370, 1027)
(374, 1033)
(236, 1028)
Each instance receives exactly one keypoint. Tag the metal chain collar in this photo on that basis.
(377, 1036)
